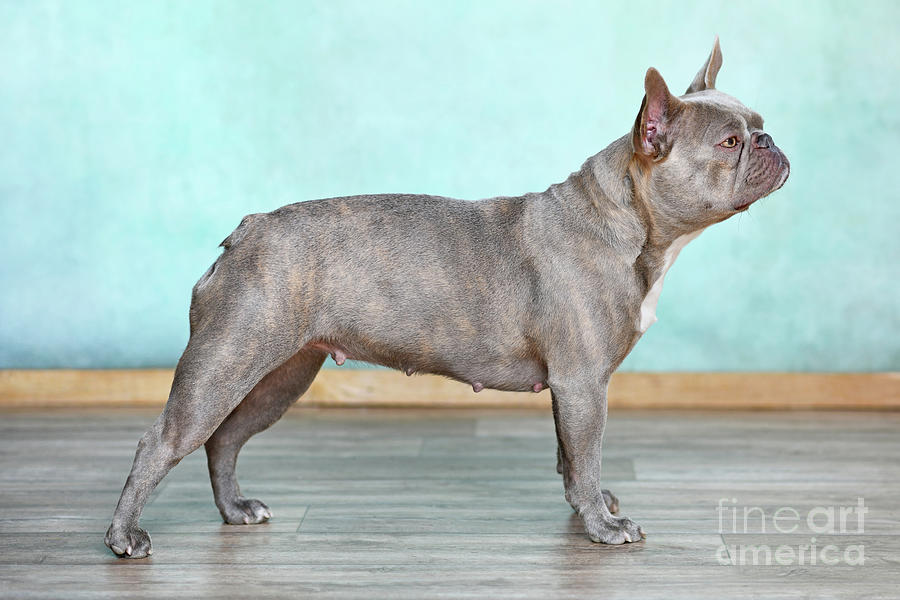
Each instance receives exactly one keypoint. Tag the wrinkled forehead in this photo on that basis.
(713, 104)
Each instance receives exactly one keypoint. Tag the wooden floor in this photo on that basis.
(456, 503)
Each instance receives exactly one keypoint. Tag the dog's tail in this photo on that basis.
(241, 230)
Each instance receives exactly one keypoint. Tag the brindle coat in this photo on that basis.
(551, 289)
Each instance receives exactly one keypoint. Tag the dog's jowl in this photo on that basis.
(546, 290)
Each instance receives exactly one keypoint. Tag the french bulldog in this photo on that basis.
(546, 290)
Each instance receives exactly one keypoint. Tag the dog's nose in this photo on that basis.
(762, 140)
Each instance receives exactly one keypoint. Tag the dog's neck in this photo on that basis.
(611, 192)
(598, 199)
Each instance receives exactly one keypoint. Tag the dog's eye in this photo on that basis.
(730, 142)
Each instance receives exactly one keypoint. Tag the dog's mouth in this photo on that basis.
(782, 170)
(785, 172)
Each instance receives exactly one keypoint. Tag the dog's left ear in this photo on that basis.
(706, 77)
(652, 135)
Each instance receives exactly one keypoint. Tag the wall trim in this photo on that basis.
(383, 388)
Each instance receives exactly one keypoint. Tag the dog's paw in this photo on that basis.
(128, 542)
(605, 529)
(612, 503)
(245, 511)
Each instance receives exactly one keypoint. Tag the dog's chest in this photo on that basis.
(648, 306)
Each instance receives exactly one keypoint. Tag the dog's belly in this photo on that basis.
(501, 372)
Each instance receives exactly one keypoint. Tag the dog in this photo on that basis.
(546, 290)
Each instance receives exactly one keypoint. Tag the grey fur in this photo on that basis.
(510, 293)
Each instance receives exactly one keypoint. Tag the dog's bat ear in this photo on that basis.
(706, 76)
(651, 137)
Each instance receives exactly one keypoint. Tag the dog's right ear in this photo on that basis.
(652, 134)
(706, 77)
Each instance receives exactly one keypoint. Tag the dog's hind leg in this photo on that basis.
(262, 407)
(217, 370)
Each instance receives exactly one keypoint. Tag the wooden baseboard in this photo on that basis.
(381, 388)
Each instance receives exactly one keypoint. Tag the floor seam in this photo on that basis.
(300, 524)
(727, 551)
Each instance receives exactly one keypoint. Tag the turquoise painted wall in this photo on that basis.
(135, 135)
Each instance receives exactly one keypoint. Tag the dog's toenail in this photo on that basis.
(477, 387)
(537, 387)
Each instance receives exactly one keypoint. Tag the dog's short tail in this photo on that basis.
(241, 230)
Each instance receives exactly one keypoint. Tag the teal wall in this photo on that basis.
(135, 135)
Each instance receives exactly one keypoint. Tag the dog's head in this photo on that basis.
(703, 156)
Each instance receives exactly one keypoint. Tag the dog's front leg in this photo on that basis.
(580, 410)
